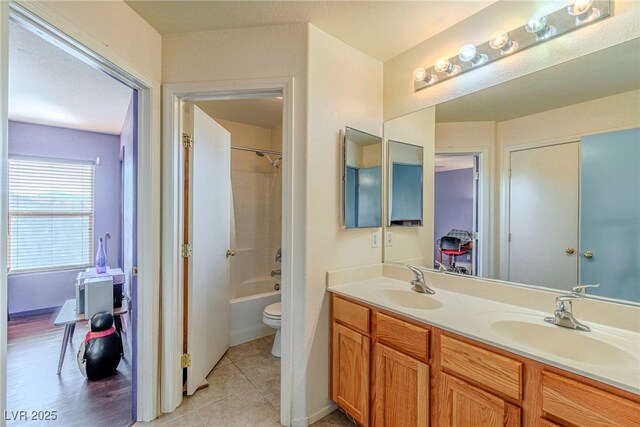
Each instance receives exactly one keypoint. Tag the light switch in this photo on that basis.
(389, 238)
(375, 239)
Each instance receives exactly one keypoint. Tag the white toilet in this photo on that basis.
(271, 317)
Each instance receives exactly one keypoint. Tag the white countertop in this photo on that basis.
(607, 354)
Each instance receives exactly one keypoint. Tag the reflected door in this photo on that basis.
(543, 216)
(610, 213)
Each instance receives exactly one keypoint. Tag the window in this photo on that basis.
(50, 214)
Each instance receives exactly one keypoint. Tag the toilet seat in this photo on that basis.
(273, 311)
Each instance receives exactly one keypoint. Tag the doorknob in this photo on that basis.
(230, 253)
(588, 254)
(570, 251)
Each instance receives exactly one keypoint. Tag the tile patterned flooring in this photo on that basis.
(244, 390)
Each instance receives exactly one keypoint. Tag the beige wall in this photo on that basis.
(415, 244)
(345, 89)
(400, 99)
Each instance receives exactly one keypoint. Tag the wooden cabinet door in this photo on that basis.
(401, 389)
(465, 405)
(350, 372)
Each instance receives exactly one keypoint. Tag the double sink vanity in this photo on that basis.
(477, 352)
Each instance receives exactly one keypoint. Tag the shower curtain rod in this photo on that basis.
(255, 150)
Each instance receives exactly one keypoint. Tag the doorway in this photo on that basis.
(261, 158)
(69, 127)
(143, 403)
(457, 208)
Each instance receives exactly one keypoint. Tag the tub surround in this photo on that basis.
(473, 307)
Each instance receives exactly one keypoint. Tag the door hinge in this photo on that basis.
(186, 251)
(476, 176)
(509, 236)
(134, 271)
(185, 360)
(187, 140)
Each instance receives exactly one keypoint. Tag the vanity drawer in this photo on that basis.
(351, 314)
(406, 337)
(578, 404)
(493, 371)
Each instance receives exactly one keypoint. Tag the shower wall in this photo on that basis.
(256, 188)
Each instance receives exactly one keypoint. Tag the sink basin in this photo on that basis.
(594, 348)
(411, 299)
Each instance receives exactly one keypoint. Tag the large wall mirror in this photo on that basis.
(556, 201)
(404, 187)
(362, 179)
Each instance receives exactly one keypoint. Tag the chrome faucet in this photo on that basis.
(418, 284)
(563, 314)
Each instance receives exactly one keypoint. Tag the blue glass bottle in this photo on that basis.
(101, 258)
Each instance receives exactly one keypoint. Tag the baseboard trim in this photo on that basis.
(307, 421)
(21, 314)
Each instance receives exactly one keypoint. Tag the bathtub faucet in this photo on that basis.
(277, 272)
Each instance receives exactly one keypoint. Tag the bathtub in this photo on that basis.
(245, 309)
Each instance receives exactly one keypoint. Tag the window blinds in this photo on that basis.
(51, 205)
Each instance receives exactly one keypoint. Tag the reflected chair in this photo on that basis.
(452, 247)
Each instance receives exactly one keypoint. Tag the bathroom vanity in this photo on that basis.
(399, 358)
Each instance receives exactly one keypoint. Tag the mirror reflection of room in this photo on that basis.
(542, 221)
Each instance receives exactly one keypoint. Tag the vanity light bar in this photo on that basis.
(538, 29)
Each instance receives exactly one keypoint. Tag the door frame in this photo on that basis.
(486, 265)
(67, 36)
(172, 220)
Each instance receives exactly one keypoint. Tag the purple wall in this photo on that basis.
(453, 203)
(37, 291)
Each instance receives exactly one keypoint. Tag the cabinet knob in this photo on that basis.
(230, 253)
(588, 254)
(570, 251)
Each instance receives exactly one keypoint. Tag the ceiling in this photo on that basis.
(48, 86)
(604, 73)
(262, 112)
(381, 29)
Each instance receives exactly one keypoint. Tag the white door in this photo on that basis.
(544, 216)
(209, 218)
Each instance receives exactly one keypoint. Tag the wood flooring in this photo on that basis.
(32, 384)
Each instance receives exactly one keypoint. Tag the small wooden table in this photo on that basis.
(68, 317)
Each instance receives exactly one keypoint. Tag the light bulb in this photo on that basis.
(469, 52)
(500, 40)
(538, 25)
(421, 75)
(584, 11)
(581, 6)
(444, 66)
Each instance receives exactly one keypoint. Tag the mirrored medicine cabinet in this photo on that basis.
(361, 179)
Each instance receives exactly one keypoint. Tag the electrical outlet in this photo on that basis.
(389, 238)
(375, 239)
